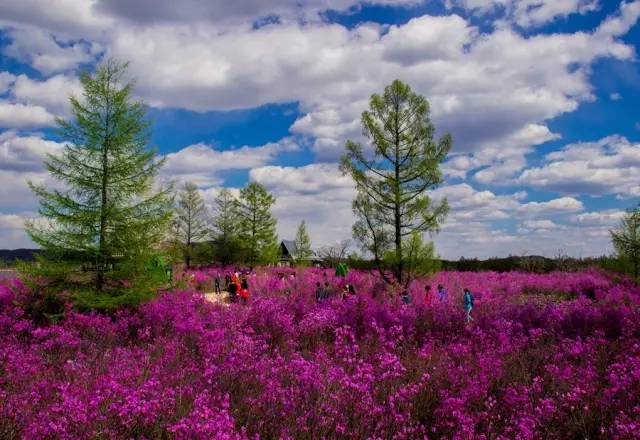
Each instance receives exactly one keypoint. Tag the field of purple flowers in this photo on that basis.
(552, 356)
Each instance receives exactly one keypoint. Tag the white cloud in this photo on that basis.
(615, 96)
(201, 163)
(608, 166)
(528, 13)
(468, 204)
(40, 50)
(68, 18)
(14, 115)
(235, 13)
(608, 218)
(12, 231)
(24, 153)
(52, 94)
(317, 193)
(6, 80)
(561, 205)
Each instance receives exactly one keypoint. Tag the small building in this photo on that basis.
(288, 250)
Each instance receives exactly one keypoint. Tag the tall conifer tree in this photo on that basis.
(192, 219)
(394, 175)
(226, 228)
(258, 227)
(303, 244)
(106, 211)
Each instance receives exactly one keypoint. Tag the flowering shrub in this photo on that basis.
(548, 356)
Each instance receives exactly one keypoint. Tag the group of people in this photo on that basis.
(236, 284)
(467, 298)
(324, 292)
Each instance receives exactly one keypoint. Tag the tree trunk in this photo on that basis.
(397, 217)
(102, 257)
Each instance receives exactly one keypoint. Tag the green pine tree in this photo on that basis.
(393, 184)
(226, 228)
(626, 239)
(303, 244)
(192, 218)
(106, 213)
(257, 225)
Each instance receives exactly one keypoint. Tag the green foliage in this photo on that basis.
(420, 257)
(191, 220)
(257, 225)
(226, 226)
(303, 245)
(626, 239)
(105, 213)
(393, 182)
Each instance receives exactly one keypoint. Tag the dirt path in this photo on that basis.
(216, 298)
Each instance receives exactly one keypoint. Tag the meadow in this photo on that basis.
(553, 356)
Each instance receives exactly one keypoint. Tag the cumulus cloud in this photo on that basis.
(608, 166)
(43, 52)
(202, 163)
(607, 218)
(6, 80)
(15, 115)
(527, 13)
(24, 153)
(224, 12)
(560, 205)
(12, 231)
(52, 94)
(317, 193)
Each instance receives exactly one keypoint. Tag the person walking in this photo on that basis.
(244, 289)
(216, 284)
(427, 294)
(232, 288)
(442, 292)
(468, 305)
(319, 292)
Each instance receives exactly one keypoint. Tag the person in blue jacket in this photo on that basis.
(468, 304)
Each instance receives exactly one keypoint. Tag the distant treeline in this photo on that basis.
(537, 264)
(10, 257)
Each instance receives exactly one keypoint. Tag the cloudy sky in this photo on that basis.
(541, 97)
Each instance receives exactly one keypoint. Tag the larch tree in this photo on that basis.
(226, 227)
(626, 239)
(257, 224)
(106, 211)
(192, 219)
(394, 176)
(302, 244)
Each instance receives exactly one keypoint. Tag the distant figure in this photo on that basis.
(319, 292)
(442, 292)
(227, 280)
(342, 270)
(352, 290)
(345, 291)
(468, 305)
(327, 290)
(427, 294)
(244, 290)
(233, 292)
(406, 299)
(216, 284)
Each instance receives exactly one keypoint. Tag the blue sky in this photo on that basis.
(540, 96)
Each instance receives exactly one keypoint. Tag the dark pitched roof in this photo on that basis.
(290, 248)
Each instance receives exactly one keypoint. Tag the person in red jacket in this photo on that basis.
(427, 294)
(244, 290)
